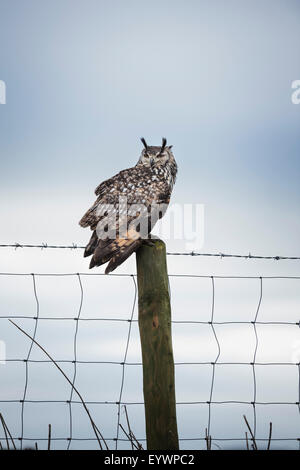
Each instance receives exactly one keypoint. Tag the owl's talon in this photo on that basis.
(148, 242)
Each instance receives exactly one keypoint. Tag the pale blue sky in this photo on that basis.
(86, 79)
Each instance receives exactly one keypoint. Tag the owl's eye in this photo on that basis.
(146, 155)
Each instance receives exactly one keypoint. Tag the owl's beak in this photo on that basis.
(151, 161)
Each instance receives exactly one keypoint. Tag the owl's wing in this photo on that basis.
(139, 188)
(108, 193)
(135, 184)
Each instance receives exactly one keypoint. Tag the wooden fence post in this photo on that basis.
(157, 352)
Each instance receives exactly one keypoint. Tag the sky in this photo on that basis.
(84, 81)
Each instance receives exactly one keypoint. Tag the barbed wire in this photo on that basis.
(75, 246)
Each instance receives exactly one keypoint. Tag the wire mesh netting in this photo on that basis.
(236, 350)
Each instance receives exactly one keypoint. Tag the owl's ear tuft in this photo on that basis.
(144, 143)
(170, 146)
(164, 143)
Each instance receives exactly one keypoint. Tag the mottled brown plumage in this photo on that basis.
(125, 210)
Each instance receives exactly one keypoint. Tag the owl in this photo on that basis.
(128, 205)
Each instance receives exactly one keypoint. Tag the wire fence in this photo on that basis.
(215, 363)
(75, 246)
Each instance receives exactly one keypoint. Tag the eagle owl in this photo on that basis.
(128, 205)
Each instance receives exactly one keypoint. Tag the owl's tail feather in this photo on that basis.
(120, 257)
(91, 246)
(98, 246)
(116, 252)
